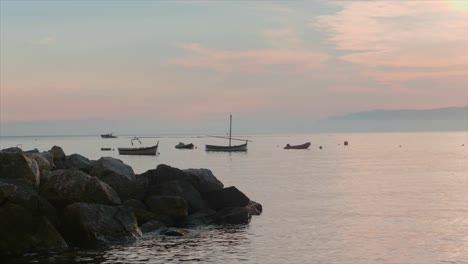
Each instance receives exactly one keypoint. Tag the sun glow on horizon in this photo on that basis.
(459, 5)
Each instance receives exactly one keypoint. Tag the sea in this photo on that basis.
(385, 198)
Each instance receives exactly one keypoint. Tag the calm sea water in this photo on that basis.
(385, 198)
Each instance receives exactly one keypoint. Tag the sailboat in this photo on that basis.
(229, 148)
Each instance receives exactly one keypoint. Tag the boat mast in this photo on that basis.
(230, 128)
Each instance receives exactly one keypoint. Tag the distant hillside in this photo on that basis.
(441, 119)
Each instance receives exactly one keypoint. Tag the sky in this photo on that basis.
(195, 62)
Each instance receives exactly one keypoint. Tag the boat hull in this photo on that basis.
(242, 147)
(303, 146)
(108, 136)
(183, 146)
(149, 151)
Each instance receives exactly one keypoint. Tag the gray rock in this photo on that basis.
(182, 189)
(65, 187)
(93, 225)
(173, 207)
(12, 150)
(205, 216)
(233, 216)
(79, 162)
(59, 157)
(254, 208)
(227, 197)
(207, 182)
(117, 174)
(44, 165)
(151, 226)
(18, 166)
(135, 204)
(173, 232)
(21, 231)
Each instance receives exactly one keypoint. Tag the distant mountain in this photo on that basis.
(440, 119)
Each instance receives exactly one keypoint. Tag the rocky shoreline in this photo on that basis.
(51, 201)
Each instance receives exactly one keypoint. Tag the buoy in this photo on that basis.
(320, 147)
(345, 143)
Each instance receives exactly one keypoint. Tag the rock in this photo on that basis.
(12, 150)
(151, 226)
(43, 164)
(144, 216)
(203, 217)
(93, 225)
(49, 157)
(20, 231)
(182, 189)
(173, 207)
(79, 162)
(65, 187)
(254, 208)
(173, 232)
(59, 157)
(227, 197)
(18, 166)
(165, 173)
(29, 200)
(117, 174)
(135, 204)
(207, 182)
(32, 151)
(233, 216)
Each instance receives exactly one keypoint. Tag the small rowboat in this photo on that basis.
(151, 151)
(303, 146)
(110, 135)
(242, 147)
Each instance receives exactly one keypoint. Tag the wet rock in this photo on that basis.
(117, 174)
(93, 225)
(203, 217)
(135, 204)
(173, 232)
(152, 226)
(182, 189)
(18, 166)
(227, 197)
(21, 231)
(233, 216)
(254, 208)
(65, 187)
(173, 207)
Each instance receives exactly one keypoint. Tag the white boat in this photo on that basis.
(150, 151)
(230, 148)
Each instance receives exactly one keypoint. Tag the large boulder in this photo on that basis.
(227, 197)
(79, 162)
(174, 207)
(205, 216)
(117, 174)
(182, 189)
(65, 187)
(17, 166)
(254, 208)
(21, 231)
(59, 157)
(165, 173)
(29, 200)
(12, 150)
(207, 182)
(92, 225)
(233, 216)
(43, 164)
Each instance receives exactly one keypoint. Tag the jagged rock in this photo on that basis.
(117, 174)
(227, 197)
(165, 173)
(49, 157)
(173, 232)
(207, 182)
(65, 187)
(94, 224)
(254, 208)
(174, 207)
(12, 150)
(43, 164)
(59, 157)
(18, 166)
(79, 162)
(233, 216)
(203, 217)
(21, 231)
(29, 200)
(151, 226)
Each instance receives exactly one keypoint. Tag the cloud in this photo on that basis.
(260, 61)
(287, 37)
(397, 35)
(45, 41)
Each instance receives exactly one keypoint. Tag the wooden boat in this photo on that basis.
(151, 151)
(303, 146)
(105, 149)
(110, 135)
(230, 148)
(184, 146)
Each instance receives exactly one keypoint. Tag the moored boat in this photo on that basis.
(110, 135)
(230, 148)
(184, 146)
(302, 146)
(150, 151)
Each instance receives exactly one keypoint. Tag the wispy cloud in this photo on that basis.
(395, 34)
(260, 61)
